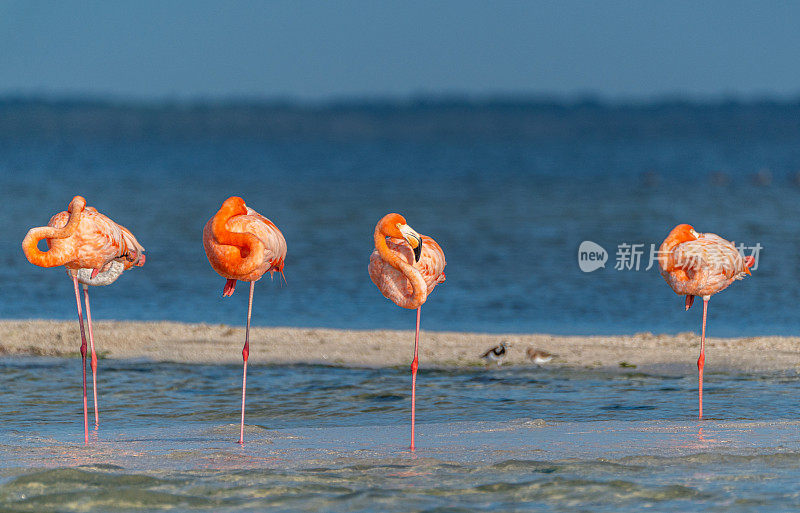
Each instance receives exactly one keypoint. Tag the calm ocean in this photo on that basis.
(508, 190)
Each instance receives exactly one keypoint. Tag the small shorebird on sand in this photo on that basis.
(405, 269)
(241, 244)
(95, 250)
(700, 264)
(538, 356)
(496, 354)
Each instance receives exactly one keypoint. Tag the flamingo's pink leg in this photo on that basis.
(702, 360)
(414, 367)
(229, 288)
(245, 355)
(94, 356)
(83, 358)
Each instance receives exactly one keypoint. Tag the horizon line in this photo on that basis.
(406, 100)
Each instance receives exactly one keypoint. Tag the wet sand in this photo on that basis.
(203, 343)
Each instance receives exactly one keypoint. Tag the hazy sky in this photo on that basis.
(316, 50)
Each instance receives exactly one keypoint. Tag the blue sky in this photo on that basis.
(331, 49)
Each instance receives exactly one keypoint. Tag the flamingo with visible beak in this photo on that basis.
(406, 269)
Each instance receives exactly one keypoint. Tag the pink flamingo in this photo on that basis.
(406, 269)
(241, 244)
(700, 264)
(95, 250)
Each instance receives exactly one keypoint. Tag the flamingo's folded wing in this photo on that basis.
(709, 252)
(432, 262)
(272, 238)
(102, 234)
(131, 243)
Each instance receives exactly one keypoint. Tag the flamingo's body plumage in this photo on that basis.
(241, 244)
(406, 268)
(92, 241)
(270, 254)
(701, 267)
(700, 264)
(95, 251)
(394, 285)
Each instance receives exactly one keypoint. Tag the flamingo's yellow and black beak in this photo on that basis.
(418, 250)
(414, 240)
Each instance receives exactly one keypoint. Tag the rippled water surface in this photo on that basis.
(335, 439)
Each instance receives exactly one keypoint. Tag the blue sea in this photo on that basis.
(510, 190)
(509, 193)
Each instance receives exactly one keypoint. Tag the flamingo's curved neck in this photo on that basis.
(666, 259)
(250, 247)
(665, 254)
(418, 285)
(61, 249)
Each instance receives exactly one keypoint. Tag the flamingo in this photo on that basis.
(700, 264)
(241, 244)
(95, 251)
(406, 269)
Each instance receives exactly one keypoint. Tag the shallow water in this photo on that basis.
(335, 439)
